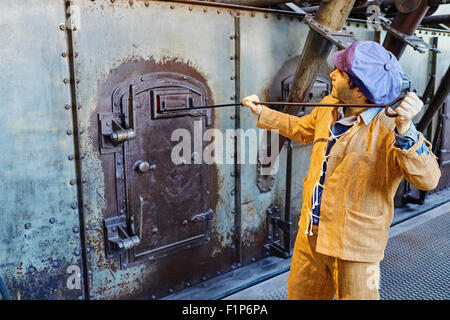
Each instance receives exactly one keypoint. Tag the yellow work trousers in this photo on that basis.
(315, 276)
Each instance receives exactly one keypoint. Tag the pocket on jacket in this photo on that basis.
(364, 233)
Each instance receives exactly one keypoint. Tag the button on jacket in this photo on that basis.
(364, 169)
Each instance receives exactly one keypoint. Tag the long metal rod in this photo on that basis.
(293, 104)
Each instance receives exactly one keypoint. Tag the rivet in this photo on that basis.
(52, 220)
(232, 174)
(83, 180)
(131, 2)
(77, 81)
(233, 266)
(233, 246)
(70, 157)
(67, 107)
(119, 161)
(171, 291)
(203, 278)
(88, 250)
(184, 222)
(238, 13)
(238, 265)
(205, 9)
(172, 6)
(231, 57)
(188, 284)
(233, 211)
(75, 54)
(73, 205)
(27, 225)
(89, 272)
(62, 27)
(218, 11)
(31, 269)
(232, 117)
(153, 297)
(147, 4)
(232, 192)
(66, 81)
(253, 259)
(233, 229)
(82, 156)
(155, 230)
(266, 15)
(55, 264)
(69, 132)
(72, 182)
(112, 1)
(232, 78)
(74, 28)
(64, 54)
(75, 229)
(218, 273)
(252, 14)
(77, 252)
(190, 8)
(79, 106)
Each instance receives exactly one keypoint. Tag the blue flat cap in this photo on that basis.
(373, 69)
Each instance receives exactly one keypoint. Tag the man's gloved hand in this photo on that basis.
(406, 111)
(248, 102)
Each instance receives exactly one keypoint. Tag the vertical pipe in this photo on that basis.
(237, 125)
(77, 154)
(407, 24)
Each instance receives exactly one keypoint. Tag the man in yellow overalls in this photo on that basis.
(358, 159)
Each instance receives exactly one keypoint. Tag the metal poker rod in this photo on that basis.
(300, 104)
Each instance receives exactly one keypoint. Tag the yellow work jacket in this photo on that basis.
(363, 173)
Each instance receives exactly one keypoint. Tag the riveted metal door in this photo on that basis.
(169, 199)
(154, 226)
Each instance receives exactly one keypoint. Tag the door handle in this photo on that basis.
(127, 131)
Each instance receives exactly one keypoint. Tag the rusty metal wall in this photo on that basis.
(231, 53)
(39, 234)
(118, 41)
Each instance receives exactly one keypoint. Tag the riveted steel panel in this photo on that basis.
(118, 42)
(270, 48)
(39, 233)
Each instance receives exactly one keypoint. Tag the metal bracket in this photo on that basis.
(417, 43)
(117, 238)
(114, 130)
(274, 246)
(342, 39)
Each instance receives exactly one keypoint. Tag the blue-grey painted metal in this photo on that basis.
(39, 230)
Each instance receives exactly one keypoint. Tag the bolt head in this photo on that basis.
(27, 225)
(52, 220)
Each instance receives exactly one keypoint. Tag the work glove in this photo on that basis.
(249, 102)
(406, 111)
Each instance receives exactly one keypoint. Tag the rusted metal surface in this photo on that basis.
(39, 233)
(171, 194)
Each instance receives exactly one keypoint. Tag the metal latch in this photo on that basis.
(120, 235)
(202, 217)
(115, 129)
